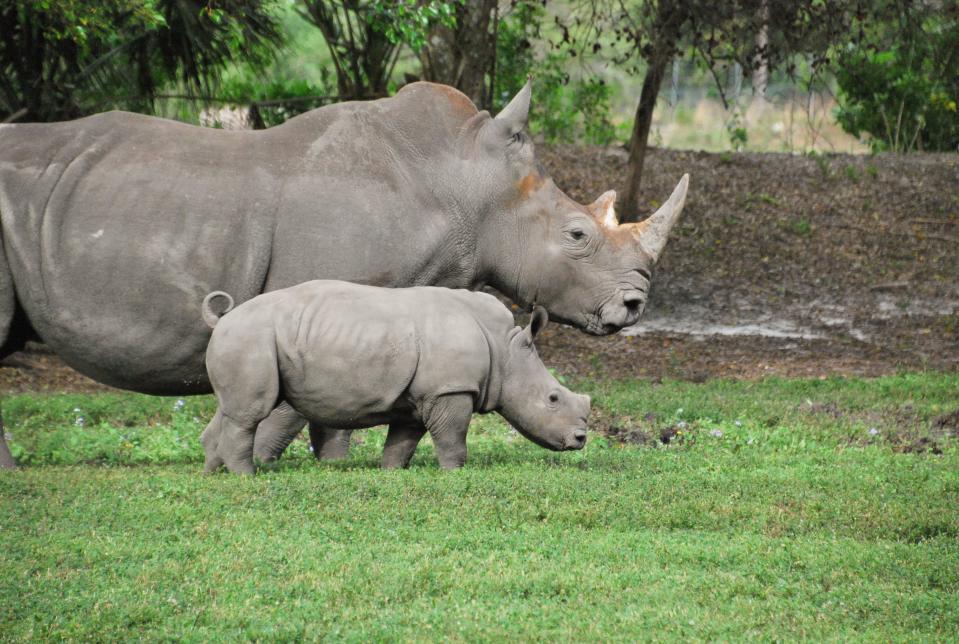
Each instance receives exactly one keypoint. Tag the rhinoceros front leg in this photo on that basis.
(330, 444)
(6, 458)
(447, 421)
(401, 442)
(276, 432)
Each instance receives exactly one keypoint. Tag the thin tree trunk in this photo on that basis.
(464, 55)
(638, 142)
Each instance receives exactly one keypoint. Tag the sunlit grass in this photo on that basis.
(775, 513)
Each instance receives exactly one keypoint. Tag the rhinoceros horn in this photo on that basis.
(653, 232)
(603, 209)
(516, 113)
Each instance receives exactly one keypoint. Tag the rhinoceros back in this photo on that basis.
(343, 346)
(115, 226)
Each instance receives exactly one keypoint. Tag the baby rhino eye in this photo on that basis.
(577, 234)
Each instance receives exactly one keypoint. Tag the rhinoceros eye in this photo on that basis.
(577, 234)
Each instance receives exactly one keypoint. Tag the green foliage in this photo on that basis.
(776, 512)
(565, 109)
(366, 38)
(275, 100)
(900, 86)
(65, 59)
(409, 21)
(736, 129)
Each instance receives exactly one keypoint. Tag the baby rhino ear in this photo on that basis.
(537, 322)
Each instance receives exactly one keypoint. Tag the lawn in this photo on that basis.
(780, 509)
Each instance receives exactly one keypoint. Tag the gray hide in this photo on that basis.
(114, 227)
(352, 356)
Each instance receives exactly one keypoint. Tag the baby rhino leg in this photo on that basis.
(401, 442)
(447, 421)
(275, 434)
(210, 438)
(243, 372)
(330, 444)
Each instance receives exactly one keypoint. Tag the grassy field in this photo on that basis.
(783, 509)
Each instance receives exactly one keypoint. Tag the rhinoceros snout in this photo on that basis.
(634, 302)
(576, 439)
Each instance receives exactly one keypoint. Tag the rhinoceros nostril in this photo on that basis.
(579, 435)
(633, 301)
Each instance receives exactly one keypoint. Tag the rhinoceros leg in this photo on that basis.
(6, 458)
(330, 444)
(235, 446)
(8, 305)
(401, 442)
(275, 434)
(447, 422)
(210, 438)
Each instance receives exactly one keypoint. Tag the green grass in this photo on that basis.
(782, 509)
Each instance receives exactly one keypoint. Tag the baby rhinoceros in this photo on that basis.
(350, 356)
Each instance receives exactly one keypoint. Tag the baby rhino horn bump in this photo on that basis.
(603, 209)
(653, 232)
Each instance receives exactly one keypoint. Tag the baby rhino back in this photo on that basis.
(346, 354)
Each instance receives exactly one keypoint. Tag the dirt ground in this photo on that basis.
(782, 265)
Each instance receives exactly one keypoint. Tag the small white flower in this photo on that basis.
(873, 431)
(717, 433)
(737, 423)
(681, 424)
(79, 421)
(179, 404)
(77, 410)
(749, 442)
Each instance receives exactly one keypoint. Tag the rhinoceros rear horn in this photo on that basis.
(516, 113)
(653, 232)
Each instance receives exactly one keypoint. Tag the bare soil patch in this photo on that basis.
(782, 265)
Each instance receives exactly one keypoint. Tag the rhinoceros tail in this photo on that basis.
(210, 315)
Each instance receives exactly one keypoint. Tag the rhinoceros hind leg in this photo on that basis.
(276, 432)
(401, 442)
(6, 458)
(235, 446)
(8, 305)
(210, 438)
(330, 444)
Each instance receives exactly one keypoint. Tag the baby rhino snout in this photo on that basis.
(577, 437)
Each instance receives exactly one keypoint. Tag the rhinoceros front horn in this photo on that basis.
(516, 113)
(653, 232)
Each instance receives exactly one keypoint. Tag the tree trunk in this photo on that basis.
(637, 143)
(462, 56)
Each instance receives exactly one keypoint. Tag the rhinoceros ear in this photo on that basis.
(653, 232)
(516, 113)
(536, 322)
(603, 209)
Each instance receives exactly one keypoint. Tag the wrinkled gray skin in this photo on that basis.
(114, 227)
(351, 356)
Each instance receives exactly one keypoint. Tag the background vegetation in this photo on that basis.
(746, 74)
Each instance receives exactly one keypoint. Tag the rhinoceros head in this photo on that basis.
(541, 247)
(533, 401)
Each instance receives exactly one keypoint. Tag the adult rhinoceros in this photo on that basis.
(115, 227)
